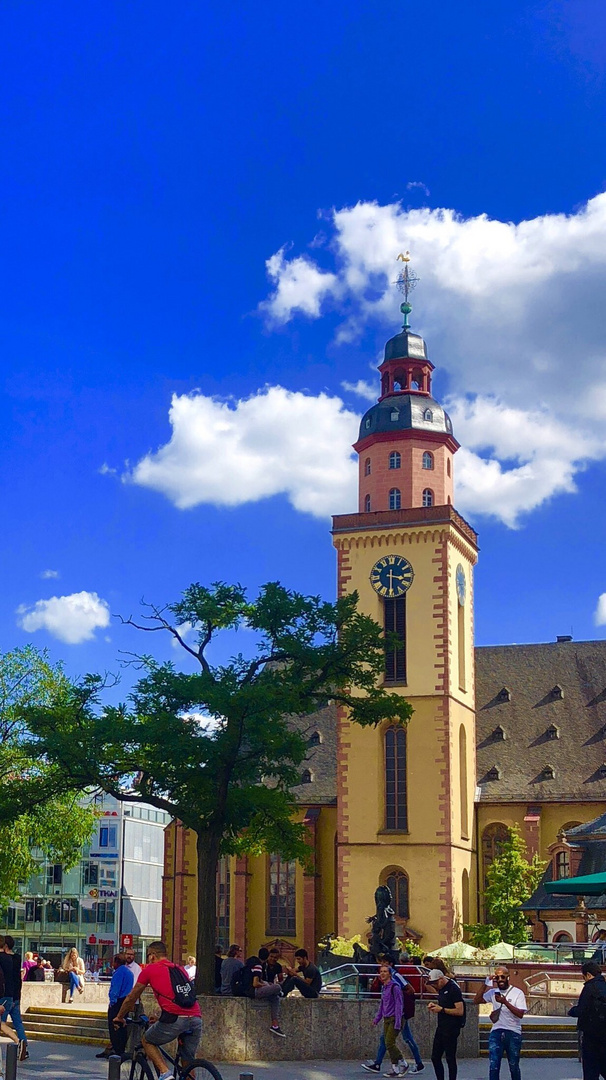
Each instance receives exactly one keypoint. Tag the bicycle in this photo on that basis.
(141, 1068)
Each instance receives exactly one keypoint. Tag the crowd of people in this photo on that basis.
(266, 976)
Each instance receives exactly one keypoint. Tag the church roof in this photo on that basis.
(406, 345)
(541, 722)
(405, 412)
(320, 767)
(593, 861)
(590, 830)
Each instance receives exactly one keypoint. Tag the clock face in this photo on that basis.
(391, 576)
(461, 585)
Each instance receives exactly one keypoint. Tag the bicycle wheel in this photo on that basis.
(142, 1070)
(201, 1070)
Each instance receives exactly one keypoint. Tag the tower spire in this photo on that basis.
(406, 281)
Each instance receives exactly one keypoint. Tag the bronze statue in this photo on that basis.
(382, 943)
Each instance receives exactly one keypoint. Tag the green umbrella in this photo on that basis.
(588, 885)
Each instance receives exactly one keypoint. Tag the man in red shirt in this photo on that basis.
(173, 1020)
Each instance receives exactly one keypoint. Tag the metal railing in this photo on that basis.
(352, 980)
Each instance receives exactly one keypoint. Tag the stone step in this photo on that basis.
(550, 1053)
(56, 1036)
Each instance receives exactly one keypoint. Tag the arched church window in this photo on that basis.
(367, 504)
(397, 883)
(428, 460)
(428, 415)
(395, 499)
(282, 899)
(562, 936)
(428, 497)
(367, 467)
(223, 889)
(395, 460)
(396, 810)
(416, 382)
(494, 838)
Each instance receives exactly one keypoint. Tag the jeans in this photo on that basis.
(408, 1037)
(15, 1014)
(593, 1057)
(74, 983)
(444, 1042)
(118, 1037)
(271, 993)
(502, 1041)
(295, 982)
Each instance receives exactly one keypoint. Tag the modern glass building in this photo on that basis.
(112, 897)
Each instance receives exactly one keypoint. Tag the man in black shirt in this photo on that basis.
(591, 1011)
(306, 977)
(450, 1011)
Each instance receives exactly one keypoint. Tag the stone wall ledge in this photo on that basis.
(237, 1030)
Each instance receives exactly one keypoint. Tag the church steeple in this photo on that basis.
(406, 444)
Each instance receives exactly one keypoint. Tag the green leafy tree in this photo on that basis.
(511, 880)
(39, 813)
(219, 748)
(482, 935)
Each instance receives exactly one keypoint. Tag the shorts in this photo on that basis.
(160, 1033)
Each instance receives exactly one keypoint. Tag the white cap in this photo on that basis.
(435, 974)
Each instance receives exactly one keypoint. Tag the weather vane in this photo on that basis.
(406, 281)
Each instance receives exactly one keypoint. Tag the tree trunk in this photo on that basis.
(206, 941)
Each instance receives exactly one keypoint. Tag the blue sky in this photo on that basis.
(203, 204)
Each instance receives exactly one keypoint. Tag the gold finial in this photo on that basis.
(403, 258)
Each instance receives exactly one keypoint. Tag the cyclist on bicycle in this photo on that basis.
(174, 1020)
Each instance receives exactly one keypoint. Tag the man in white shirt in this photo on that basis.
(132, 964)
(508, 1007)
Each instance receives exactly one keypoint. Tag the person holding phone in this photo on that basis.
(508, 1009)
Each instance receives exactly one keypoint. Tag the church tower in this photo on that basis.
(406, 795)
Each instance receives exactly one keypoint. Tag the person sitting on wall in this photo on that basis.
(306, 978)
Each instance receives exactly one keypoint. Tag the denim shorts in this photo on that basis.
(160, 1033)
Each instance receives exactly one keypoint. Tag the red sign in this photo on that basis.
(92, 940)
(126, 941)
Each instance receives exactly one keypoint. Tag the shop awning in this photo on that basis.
(588, 885)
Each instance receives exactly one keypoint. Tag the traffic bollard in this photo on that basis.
(246, 1076)
(115, 1062)
(12, 1053)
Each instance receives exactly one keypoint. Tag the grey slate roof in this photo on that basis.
(402, 411)
(321, 759)
(561, 686)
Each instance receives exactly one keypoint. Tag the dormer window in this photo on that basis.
(367, 422)
(547, 773)
(306, 777)
(556, 694)
(498, 733)
(602, 771)
(395, 414)
(493, 774)
(428, 416)
(552, 732)
(503, 695)
(314, 739)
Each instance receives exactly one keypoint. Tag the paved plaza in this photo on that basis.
(64, 1061)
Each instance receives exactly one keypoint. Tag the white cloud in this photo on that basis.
(49, 574)
(72, 619)
(274, 442)
(513, 313)
(300, 286)
(600, 611)
(362, 388)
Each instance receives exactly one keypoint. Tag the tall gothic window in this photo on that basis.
(493, 839)
(223, 885)
(397, 883)
(395, 623)
(396, 811)
(282, 914)
(367, 467)
(367, 504)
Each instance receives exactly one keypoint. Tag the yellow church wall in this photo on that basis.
(326, 919)
(552, 818)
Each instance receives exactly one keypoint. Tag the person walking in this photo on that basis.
(450, 1010)
(232, 963)
(119, 989)
(405, 1033)
(14, 1010)
(391, 1011)
(591, 1019)
(306, 977)
(599, 956)
(508, 1009)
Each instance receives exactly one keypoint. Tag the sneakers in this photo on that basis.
(22, 1051)
(277, 1031)
(371, 1066)
(417, 1069)
(397, 1070)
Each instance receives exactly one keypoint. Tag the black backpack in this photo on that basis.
(241, 982)
(184, 994)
